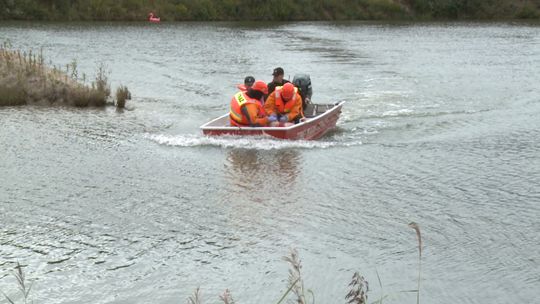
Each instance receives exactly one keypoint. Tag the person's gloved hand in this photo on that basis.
(272, 118)
(284, 118)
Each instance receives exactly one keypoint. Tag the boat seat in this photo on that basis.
(313, 109)
(310, 110)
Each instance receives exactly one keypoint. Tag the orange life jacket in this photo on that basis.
(285, 107)
(242, 87)
(239, 100)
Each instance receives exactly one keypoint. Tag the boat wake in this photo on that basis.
(252, 142)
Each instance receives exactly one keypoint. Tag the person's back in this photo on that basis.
(246, 107)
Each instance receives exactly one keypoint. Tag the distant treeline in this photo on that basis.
(266, 10)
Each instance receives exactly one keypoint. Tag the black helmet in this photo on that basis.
(249, 81)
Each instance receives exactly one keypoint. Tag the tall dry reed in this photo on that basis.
(226, 297)
(24, 288)
(196, 297)
(295, 276)
(359, 288)
(416, 228)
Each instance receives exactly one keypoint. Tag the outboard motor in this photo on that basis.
(303, 83)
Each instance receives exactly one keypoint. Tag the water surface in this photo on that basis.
(441, 127)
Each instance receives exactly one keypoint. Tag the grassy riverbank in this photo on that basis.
(272, 10)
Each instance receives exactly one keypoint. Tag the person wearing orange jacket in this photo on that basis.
(246, 107)
(248, 82)
(284, 104)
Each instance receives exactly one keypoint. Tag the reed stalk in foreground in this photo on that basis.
(226, 297)
(415, 226)
(295, 276)
(359, 288)
(24, 288)
(196, 297)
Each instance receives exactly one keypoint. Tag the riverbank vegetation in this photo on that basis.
(358, 288)
(26, 79)
(272, 10)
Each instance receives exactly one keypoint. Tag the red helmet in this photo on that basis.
(288, 91)
(260, 86)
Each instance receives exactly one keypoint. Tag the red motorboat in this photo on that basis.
(320, 118)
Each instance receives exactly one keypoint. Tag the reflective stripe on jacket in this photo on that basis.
(238, 116)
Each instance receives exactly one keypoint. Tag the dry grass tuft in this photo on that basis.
(26, 79)
(122, 94)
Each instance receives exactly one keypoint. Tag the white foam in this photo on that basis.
(251, 142)
(402, 112)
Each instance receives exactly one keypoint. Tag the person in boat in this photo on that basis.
(284, 105)
(278, 80)
(246, 107)
(248, 83)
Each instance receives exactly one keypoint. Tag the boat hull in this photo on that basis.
(311, 129)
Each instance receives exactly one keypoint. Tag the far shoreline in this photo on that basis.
(520, 21)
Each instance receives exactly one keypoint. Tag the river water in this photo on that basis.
(441, 127)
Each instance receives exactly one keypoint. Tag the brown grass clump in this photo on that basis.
(122, 94)
(26, 79)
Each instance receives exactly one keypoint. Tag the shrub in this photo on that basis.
(122, 94)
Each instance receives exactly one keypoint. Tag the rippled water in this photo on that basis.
(441, 127)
